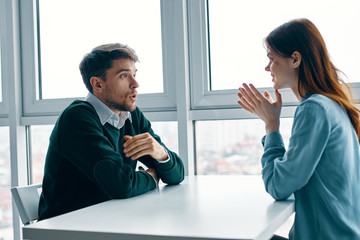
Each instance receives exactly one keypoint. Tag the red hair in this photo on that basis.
(317, 74)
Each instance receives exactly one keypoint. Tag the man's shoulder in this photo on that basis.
(137, 114)
(77, 105)
(78, 108)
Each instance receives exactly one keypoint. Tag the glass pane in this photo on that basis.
(168, 133)
(237, 29)
(6, 230)
(0, 76)
(232, 146)
(40, 135)
(70, 29)
(40, 143)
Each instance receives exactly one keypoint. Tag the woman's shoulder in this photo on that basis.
(318, 100)
(320, 104)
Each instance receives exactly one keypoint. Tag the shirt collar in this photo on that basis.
(105, 114)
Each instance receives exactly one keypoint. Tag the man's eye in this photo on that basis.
(124, 75)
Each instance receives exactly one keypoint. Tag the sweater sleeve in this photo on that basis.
(82, 141)
(284, 172)
(170, 172)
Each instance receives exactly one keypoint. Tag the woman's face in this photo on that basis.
(283, 70)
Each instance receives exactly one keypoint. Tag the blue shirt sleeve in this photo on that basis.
(283, 171)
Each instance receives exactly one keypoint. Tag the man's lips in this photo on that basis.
(133, 97)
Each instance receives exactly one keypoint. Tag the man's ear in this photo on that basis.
(296, 56)
(96, 83)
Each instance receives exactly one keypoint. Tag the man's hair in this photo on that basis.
(100, 59)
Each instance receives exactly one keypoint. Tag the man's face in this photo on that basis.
(119, 90)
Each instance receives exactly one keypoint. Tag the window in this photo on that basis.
(65, 40)
(232, 146)
(237, 54)
(0, 76)
(227, 49)
(168, 132)
(6, 231)
(40, 135)
(52, 47)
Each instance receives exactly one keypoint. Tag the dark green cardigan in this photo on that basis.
(85, 163)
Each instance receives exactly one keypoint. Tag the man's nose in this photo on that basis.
(134, 83)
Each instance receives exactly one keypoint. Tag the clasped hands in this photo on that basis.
(141, 145)
(263, 106)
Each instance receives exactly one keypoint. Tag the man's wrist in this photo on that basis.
(166, 157)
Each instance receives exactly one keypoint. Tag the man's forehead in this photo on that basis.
(124, 63)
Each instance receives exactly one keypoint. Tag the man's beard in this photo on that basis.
(117, 106)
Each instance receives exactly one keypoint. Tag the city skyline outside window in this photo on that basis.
(6, 232)
(226, 147)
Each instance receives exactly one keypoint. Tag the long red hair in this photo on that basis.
(317, 74)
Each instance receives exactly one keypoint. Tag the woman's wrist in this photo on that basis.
(273, 127)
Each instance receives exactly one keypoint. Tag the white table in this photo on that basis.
(202, 207)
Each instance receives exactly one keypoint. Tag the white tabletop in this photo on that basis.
(202, 207)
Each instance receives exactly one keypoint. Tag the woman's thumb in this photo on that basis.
(278, 96)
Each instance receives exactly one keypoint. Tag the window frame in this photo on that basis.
(47, 108)
(5, 63)
(186, 97)
(205, 104)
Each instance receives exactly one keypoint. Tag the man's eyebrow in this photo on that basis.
(125, 70)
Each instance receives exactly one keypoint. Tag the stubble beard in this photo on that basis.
(118, 106)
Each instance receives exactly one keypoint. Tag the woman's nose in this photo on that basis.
(267, 68)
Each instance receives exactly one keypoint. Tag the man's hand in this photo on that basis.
(151, 172)
(143, 144)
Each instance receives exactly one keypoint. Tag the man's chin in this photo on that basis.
(132, 108)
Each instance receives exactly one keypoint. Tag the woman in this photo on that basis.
(322, 164)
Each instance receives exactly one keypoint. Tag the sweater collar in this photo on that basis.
(105, 114)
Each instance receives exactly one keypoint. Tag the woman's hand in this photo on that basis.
(263, 106)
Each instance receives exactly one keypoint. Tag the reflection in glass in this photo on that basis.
(6, 230)
(237, 29)
(232, 146)
(70, 29)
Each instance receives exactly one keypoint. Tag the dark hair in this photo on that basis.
(317, 74)
(100, 59)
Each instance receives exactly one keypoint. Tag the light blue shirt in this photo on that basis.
(106, 115)
(321, 167)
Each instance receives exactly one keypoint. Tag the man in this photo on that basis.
(96, 143)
